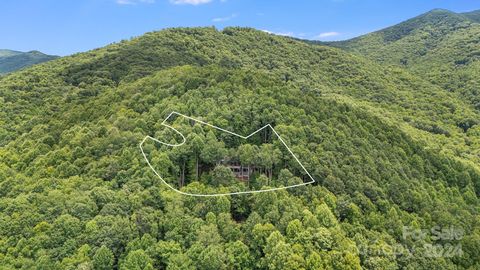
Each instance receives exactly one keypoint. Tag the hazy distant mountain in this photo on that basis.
(6, 53)
(14, 60)
(473, 15)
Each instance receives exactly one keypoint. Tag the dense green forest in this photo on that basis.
(186, 150)
(440, 45)
(389, 150)
(15, 60)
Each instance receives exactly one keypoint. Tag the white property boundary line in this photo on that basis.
(229, 132)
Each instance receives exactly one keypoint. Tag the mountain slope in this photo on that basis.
(6, 53)
(387, 148)
(440, 45)
(473, 15)
(15, 60)
(440, 118)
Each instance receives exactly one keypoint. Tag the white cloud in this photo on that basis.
(224, 19)
(288, 34)
(190, 2)
(134, 2)
(327, 34)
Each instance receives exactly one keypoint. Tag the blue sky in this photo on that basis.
(69, 26)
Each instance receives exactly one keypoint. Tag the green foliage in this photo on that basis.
(75, 191)
(222, 176)
(137, 260)
(440, 45)
(103, 259)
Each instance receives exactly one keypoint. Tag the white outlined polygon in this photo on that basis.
(229, 132)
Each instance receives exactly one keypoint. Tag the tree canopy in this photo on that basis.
(386, 147)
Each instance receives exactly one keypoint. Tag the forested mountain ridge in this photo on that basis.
(440, 45)
(392, 92)
(473, 15)
(384, 144)
(15, 60)
(4, 53)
